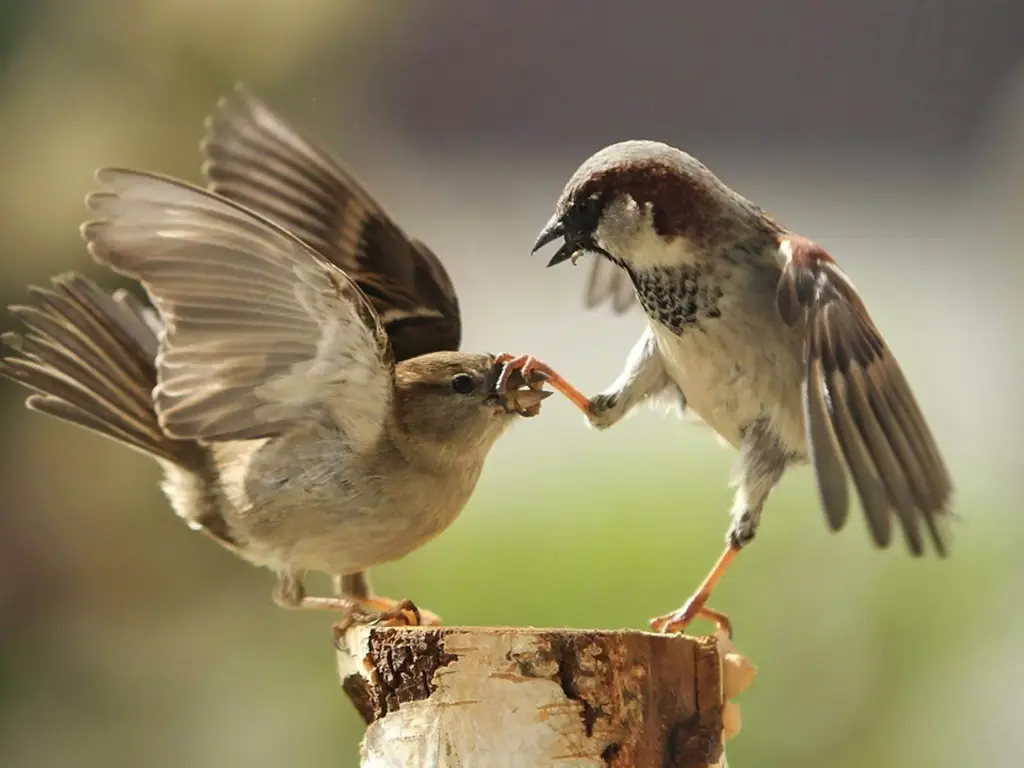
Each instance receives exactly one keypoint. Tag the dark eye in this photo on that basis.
(585, 215)
(463, 383)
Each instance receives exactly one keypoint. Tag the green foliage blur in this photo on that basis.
(127, 640)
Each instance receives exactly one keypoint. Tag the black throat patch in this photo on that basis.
(680, 298)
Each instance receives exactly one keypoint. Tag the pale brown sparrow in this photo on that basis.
(265, 383)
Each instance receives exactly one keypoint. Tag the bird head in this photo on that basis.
(643, 204)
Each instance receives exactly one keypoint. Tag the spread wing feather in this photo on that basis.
(862, 418)
(259, 331)
(255, 158)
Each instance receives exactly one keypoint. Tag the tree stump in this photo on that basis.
(485, 697)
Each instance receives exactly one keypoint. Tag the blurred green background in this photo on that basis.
(891, 132)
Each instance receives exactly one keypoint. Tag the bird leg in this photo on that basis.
(679, 619)
(643, 378)
(762, 461)
(529, 367)
(353, 601)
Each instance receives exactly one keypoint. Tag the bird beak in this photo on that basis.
(566, 252)
(553, 230)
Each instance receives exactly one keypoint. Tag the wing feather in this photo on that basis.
(824, 450)
(259, 331)
(608, 283)
(255, 158)
(861, 415)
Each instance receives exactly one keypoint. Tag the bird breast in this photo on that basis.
(734, 359)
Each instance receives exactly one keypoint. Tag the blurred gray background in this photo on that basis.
(891, 132)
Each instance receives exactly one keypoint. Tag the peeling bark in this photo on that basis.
(483, 697)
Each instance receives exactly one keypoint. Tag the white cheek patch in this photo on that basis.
(627, 232)
(656, 251)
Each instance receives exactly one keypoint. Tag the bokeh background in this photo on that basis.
(892, 132)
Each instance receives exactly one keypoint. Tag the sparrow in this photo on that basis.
(757, 332)
(264, 378)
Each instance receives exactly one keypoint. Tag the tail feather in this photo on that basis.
(53, 367)
(67, 398)
(89, 357)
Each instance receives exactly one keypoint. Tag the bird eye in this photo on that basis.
(463, 383)
(587, 214)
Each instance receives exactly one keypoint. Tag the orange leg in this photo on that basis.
(526, 364)
(678, 620)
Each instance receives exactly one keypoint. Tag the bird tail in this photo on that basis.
(89, 357)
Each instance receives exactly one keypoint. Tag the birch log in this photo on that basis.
(477, 697)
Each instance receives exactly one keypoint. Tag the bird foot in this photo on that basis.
(680, 619)
(533, 371)
(384, 612)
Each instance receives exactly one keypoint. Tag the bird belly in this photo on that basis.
(730, 383)
(337, 515)
(345, 536)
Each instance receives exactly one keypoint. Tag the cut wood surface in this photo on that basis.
(491, 697)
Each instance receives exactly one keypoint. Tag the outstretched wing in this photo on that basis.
(255, 158)
(861, 415)
(259, 331)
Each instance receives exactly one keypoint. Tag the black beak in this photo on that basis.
(566, 252)
(553, 230)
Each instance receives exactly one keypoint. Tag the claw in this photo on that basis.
(679, 619)
(534, 370)
(403, 613)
